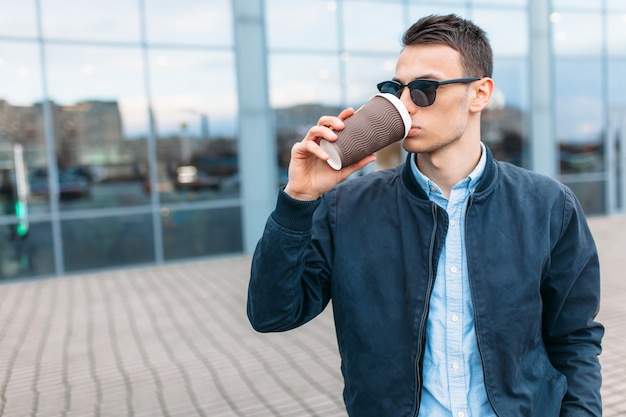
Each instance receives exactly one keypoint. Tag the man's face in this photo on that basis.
(445, 121)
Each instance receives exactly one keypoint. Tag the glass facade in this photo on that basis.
(121, 128)
(122, 133)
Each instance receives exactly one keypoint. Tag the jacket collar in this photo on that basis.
(484, 185)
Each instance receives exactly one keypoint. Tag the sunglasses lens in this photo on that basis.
(391, 88)
(422, 93)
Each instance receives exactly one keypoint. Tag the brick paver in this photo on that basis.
(174, 341)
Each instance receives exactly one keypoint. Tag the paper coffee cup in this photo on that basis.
(380, 122)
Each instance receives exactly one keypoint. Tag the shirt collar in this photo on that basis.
(430, 187)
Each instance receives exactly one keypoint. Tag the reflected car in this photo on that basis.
(189, 178)
(71, 186)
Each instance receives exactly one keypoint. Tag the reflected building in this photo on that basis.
(157, 131)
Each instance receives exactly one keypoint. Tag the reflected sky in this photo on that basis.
(299, 79)
(187, 85)
(305, 24)
(17, 18)
(579, 98)
(373, 27)
(20, 74)
(189, 22)
(111, 20)
(577, 34)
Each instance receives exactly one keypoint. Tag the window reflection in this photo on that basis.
(505, 3)
(364, 72)
(302, 88)
(17, 18)
(107, 242)
(112, 20)
(193, 233)
(617, 86)
(21, 117)
(195, 105)
(616, 34)
(577, 4)
(416, 12)
(504, 122)
(579, 115)
(577, 34)
(299, 79)
(365, 30)
(616, 5)
(26, 256)
(302, 25)
(507, 30)
(191, 22)
(100, 126)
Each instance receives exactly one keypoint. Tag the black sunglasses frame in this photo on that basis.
(422, 92)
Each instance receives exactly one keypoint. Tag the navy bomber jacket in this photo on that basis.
(372, 246)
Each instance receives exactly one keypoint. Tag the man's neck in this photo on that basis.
(446, 167)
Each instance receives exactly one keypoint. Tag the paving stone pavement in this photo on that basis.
(174, 341)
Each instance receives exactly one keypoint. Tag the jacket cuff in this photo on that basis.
(294, 214)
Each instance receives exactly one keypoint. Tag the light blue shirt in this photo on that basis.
(453, 384)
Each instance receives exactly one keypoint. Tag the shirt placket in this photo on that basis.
(454, 304)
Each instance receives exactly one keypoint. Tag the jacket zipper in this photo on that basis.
(422, 336)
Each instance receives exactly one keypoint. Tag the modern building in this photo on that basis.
(149, 131)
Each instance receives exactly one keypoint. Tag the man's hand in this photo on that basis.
(310, 176)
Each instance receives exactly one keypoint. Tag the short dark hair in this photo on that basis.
(462, 35)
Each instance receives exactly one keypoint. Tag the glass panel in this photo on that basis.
(107, 242)
(417, 12)
(193, 233)
(377, 1)
(100, 122)
(26, 256)
(111, 20)
(363, 73)
(501, 3)
(21, 117)
(577, 4)
(616, 5)
(17, 18)
(504, 122)
(617, 86)
(189, 22)
(365, 30)
(579, 115)
(443, 3)
(591, 196)
(507, 30)
(570, 38)
(195, 107)
(302, 88)
(616, 34)
(300, 79)
(303, 25)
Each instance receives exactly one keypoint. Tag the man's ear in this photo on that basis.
(483, 90)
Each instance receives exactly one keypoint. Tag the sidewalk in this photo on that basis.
(174, 341)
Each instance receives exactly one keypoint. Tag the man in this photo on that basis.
(461, 286)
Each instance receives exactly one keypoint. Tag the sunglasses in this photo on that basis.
(423, 92)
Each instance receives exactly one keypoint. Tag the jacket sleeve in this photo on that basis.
(289, 279)
(571, 293)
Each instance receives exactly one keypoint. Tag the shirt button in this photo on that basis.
(454, 270)
(433, 188)
(452, 222)
(455, 318)
(460, 414)
(455, 365)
